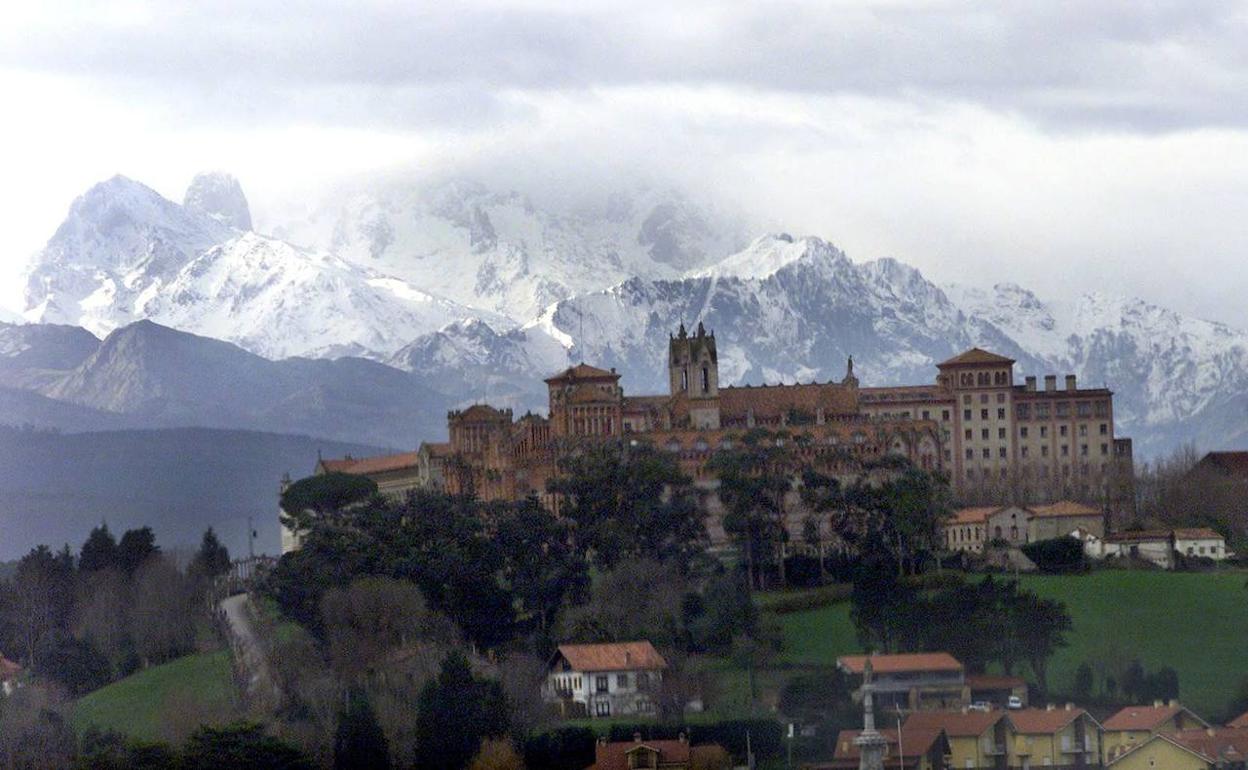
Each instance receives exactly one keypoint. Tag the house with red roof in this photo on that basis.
(1055, 736)
(604, 680)
(640, 754)
(910, 748)
(1212, 748)
(1134, 725)
(912, 681)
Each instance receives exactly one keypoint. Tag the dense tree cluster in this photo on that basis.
(979, 622)
(120, 606)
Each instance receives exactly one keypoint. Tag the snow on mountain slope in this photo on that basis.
(500, 252)
(120, 239)
(220, 196)
(278, 301)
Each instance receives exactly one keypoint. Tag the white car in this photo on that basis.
(980, 705)
(1014, 702)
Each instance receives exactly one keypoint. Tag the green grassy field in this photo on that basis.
(164, 702)
(1195, 623)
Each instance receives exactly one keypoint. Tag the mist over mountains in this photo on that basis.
(368, 317)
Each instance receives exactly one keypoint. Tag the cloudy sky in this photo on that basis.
(1055, 144)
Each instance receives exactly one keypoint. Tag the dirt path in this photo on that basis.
(248, 651)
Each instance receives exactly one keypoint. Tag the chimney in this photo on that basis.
(1158, 704)
(602, 740)
(637, 737)
(1173, 703)
(1050, 707)
(1050, 383)
(683, 738)
(1031, 384)
(1070, 706)
(1210, 732)
(1070, 382)
(628, 658)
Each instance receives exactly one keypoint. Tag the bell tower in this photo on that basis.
(693, 373)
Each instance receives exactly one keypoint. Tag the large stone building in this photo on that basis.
(993, 438)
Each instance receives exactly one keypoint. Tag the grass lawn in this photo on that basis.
(1196, 623)
(164, 702)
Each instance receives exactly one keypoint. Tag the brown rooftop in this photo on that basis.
(1146, 717)
(583, 371)
(976, 515)
(1064, 508)
(1239, 721)
(613, 656)
(975, 356)
(1200, 533)
(955, 723)
(891, 664)
(1043, 721)
(376, 464)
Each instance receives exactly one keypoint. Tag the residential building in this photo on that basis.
(639, 754)
(1059, 737)
(977, 739)
(1063, 517)
(1196, 749)
(912, 681)
(967, 529)
(1155, 546)
(1134, 725)
(603, 680)
(1200, 543)
(911, 748)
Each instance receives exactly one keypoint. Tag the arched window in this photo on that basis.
(706, 380)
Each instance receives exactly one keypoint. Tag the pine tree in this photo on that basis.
(99, 551)
(213, 558)
(360, 743)
(456, 712)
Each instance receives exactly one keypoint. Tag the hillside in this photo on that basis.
(55, 487)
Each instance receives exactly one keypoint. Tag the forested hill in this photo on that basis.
(55, 487)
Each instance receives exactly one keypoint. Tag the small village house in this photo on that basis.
(1063, 737)
(1134, 725)
(639, 754)
(1063, 517)
(910, 682)
(974, 529)
(604, 680)
(1209, 748)
(1202, 543)
(913, 748)
(979, 739)
(1155, 546)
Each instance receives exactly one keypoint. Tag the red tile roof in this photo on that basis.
(1146, 717)
(583, 371)
(975, 356)
(614, 756)
(1043, 721)
(1064, 508)
(915, 742)
(1239, 721)
(955, 723)
(1217, 744)
(378, 464)
(891, 664)
(1199, 533)
(989, 682)
(1229, 463)
(1138, 536)
(614, 656)
(973, 515)
(1115, 759)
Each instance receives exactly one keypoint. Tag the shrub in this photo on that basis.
(1059, 555)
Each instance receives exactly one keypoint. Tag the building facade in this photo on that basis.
(992, 437)
(604, 680)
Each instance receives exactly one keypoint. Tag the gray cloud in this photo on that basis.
(1135, 65)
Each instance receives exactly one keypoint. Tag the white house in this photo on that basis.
(602, 680)
(1156, 546)
(1200, 543)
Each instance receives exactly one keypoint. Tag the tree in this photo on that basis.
(99, 551)
(539, 565)
(135, 548)
(723, 611)
(497, 754)
(373, 617)
(41, 598)
(240, 746)
(212, 559)
(1083, 682)
(920, 502)
(162, 620)
(359, 743)
(1132, 683)
(629, 502)
(1039, 627)
(755, 480)
(323, 495)
(882, 608)
(101, 617)
(456, 713)
(640, 600)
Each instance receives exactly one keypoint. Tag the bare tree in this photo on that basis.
(162, 618)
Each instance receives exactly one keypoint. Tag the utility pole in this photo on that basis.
(251, 540)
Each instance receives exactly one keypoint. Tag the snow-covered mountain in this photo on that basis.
(480, 294)
(126, 253)
(500, 252)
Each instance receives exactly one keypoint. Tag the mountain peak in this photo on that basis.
(220, 196)
(768, 254)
